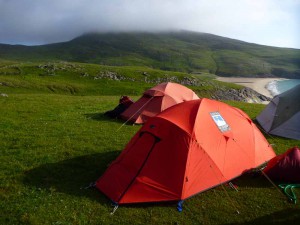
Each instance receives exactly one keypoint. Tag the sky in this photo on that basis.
(36, 22)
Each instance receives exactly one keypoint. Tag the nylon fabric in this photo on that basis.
(281, 116)
(156, 100)
(183, 151)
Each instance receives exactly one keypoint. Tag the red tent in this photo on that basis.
(156, 100)
(285, 167)
(188, 148)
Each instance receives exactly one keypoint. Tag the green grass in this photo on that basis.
(92, 79)
(53, 143)
(171, 51)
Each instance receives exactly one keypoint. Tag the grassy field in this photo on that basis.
(55, 141)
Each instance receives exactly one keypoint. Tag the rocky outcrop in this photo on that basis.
(244, 94)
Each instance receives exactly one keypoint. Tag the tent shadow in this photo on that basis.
(256, 180)
(71, 176)
(286, 216)
(100, 117)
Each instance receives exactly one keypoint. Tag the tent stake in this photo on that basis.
(179, 206)
(232, 186)
(114, 209)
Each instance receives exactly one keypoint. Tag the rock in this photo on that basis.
(85, 74)
(4, 95)
(4, 84)
(244, 94)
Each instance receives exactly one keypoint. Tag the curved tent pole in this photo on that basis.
(156, 140)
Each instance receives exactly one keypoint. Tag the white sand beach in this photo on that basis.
(257, 84)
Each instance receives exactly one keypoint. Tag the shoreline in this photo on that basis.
(257, 84)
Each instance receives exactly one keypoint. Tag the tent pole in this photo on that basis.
(135, 113)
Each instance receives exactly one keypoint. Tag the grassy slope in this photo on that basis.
(177, 51)
(84, 79)
(55, 142)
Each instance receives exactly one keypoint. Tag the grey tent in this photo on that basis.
(281, 116)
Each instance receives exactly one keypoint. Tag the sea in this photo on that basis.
(277, 87)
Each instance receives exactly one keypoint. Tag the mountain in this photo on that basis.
(176, 51)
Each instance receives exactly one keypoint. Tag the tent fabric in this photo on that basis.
(285, 167)
(157, 99)
(281, 116)
(186, 149)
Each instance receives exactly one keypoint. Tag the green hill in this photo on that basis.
(174, 51)
(92, 79)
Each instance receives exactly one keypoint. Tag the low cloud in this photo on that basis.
(270, 22)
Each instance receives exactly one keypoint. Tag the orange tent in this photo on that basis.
(156, 100)
(188, 148)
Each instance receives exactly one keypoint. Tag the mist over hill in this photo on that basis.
(175, 51)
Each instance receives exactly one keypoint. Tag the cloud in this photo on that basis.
(271, 22)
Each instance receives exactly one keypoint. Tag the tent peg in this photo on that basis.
(179, 206)
(116, 206)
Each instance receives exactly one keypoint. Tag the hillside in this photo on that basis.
(91, 79)
(174, 51)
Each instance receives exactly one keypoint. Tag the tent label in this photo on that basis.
(219, 121)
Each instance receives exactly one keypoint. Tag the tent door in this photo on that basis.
(144, 136)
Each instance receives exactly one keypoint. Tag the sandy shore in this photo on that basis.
(257, 84)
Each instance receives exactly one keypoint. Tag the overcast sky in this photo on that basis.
(268, 22)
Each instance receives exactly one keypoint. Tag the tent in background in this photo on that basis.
(156, 100)
(285, 168)
(281, 116)
(186, 149)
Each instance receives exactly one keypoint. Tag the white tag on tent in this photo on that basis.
(219, 121)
